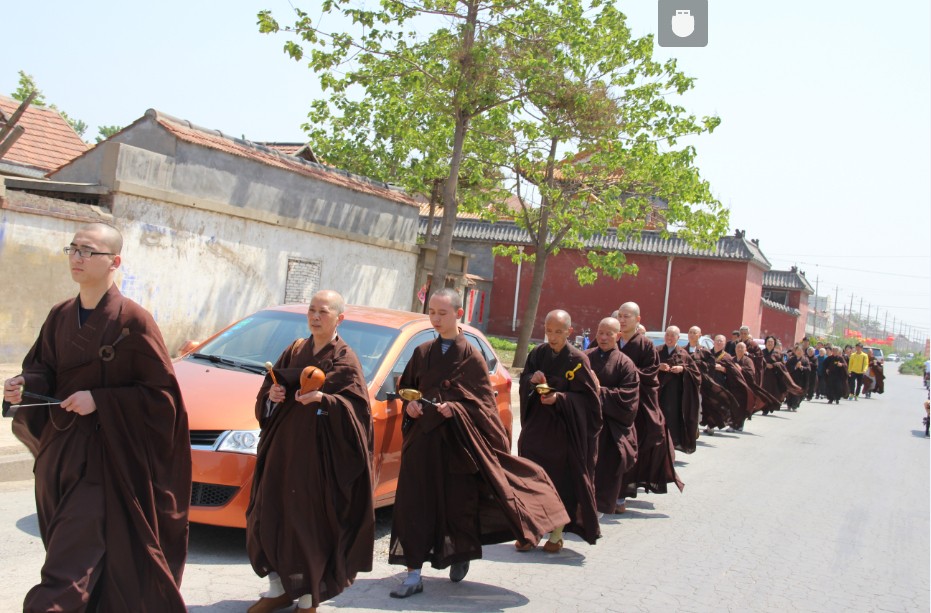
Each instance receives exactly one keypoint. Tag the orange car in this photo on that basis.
(220, 378)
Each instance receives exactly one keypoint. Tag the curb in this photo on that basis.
(16, 467)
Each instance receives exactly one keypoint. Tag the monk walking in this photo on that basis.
(113, 457)
(310, 525)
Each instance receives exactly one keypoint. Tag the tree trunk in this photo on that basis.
(530, 313)
(450, 187)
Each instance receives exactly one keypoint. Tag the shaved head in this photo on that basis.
(560, 316)
(631, 307)
(332, 298)
(452, 295)
(611, 323)
(107, 234)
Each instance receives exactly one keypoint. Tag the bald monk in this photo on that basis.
(716, 402)
(560, 429)
(754, 352)
(729, 376)
(654, 467)
(310, 525)
(762, 400)
(113, 458)
(620, 397)
(679, 391)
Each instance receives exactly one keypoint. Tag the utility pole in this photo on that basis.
(868, 307)
(895, 337)
(885, 321)
(834, 308)
(860, 315)
(814, 324)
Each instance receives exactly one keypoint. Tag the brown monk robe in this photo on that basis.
(679, 392)
(654, 467)
(755, 352)
(560, 433)
(728, 375)
(835, 376)
(776, 379)
(873, 378)
(620, 396)
(113, 459)
(716, 402)
(799, 369)
(311, 519)
(762, 400)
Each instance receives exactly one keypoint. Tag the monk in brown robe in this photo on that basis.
(459, 487)
(762, 400)
(113, 456)
(776, 379)
(560, 428)
(755, 353)
(620, 396)
(679, 391)
(310, 525)
(729, 376)
(656, 456)
(717, 404)
(799, 369)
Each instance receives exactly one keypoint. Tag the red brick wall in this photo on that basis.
(781, 325)
(709, 293)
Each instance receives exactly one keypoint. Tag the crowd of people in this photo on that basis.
(598, 426)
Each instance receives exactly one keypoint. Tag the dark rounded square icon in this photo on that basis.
(682, 23)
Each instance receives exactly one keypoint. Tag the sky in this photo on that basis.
(823, 154)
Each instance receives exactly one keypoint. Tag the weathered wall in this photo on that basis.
(781, 325)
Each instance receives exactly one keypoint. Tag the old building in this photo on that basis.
(215, 227)
(36, 142)
(785, 304)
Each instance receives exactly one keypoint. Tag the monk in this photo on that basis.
(310, 525)
(654, 467)
(776, 379)
(113, 456)
(560, 428)
(754, 352)
(763, 400)
(800, 370)
(835, 376)
(728, 375)
(717, 404)
(679, 391)
(459, 487)
(620, 394)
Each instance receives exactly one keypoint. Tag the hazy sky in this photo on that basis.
(824, 153)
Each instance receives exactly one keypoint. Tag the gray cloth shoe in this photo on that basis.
(458, 571)
(407, 589)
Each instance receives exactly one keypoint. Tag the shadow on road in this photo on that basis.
(506, 553)
(216, 545)
(919, 433)
(30, 523)
(439, 594)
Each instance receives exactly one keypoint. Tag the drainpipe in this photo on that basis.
(520, 250)
(666, 299)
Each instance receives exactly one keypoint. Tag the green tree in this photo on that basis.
(27, 85)
(105, 132)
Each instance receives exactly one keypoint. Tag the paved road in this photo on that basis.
(826, 509)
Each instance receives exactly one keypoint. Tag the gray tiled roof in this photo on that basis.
(649, 242)
(786, 279)
(780, 307)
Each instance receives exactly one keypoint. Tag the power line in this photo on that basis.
(872, 272)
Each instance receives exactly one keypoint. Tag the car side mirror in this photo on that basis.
(389, 389)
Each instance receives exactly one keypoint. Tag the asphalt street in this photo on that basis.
(826, 509)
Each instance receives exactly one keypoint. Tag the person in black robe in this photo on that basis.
(679, 391)
(762, 400)
(800, 369)
(619, 390)
(754, 352)
(560, 428)
(310, 523)
(655, 465)
(812, 387)
(776, 379)
(459, 487)
(835, 376)
(717, 404)
(731, 347)
(729, 376)
(113, 455)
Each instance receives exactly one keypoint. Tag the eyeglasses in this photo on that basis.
(84, 253)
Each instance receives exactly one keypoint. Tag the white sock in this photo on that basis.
(556, 535)
(621, 502)
(413, 577)
(305, 602)
(275, 589)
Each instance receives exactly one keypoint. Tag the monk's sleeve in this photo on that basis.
(262, 404)
(619, 403)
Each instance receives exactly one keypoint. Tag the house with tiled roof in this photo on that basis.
(215, 227)
(718, 288)
(40, 140)
(785, 304)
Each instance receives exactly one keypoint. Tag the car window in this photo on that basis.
(389, 387)
(485, 350)
(370, 343)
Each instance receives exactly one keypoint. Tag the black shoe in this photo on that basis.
(407, 589)
(458, 571)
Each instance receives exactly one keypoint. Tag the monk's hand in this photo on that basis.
(549, 399)
(445, 410)
(538, 378)
(13, 389)
(309, 397)
(81, 403)
(414, 409)
(276, 393)
(769, 366)
(677, 369)
(719, 368)
(664, 367)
